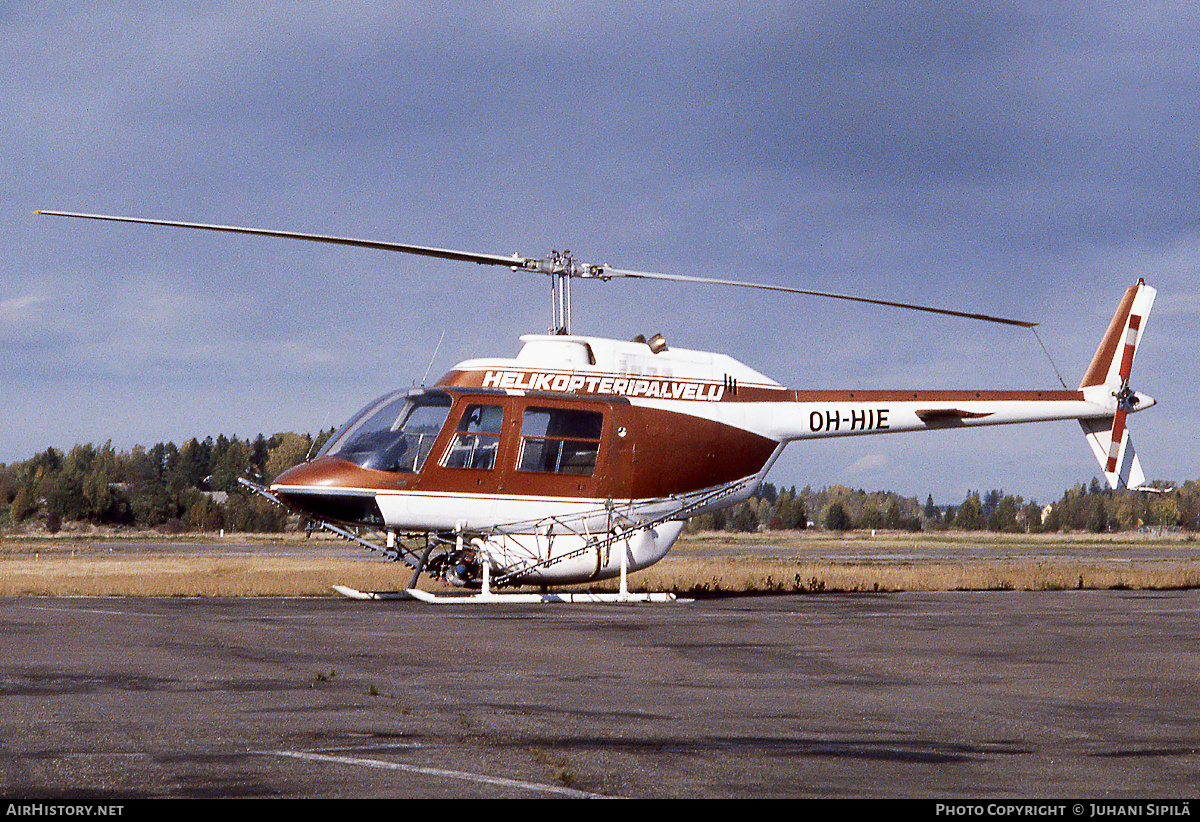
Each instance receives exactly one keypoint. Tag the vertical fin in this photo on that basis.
(1126, 471)
(1123, 335)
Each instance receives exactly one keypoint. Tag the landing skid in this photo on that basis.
(570, 596)
(488, 596)
(353, 593)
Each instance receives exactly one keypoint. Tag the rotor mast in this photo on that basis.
(560, 294)
(561, 267)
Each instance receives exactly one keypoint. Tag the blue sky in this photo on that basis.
(1022, 159)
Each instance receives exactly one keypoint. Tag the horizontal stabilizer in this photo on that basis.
(1109, 451)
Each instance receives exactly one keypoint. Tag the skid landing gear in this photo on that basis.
(353, 593)
(487, 595)
(568, 596)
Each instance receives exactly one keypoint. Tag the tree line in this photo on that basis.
(194, 487)
(1084, 507)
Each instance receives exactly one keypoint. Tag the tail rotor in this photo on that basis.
(1108, 379)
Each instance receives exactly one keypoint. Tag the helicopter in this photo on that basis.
(581, 458)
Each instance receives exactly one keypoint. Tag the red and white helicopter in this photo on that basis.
(581, 458)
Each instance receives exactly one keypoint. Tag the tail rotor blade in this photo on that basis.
(1114, 447)
(1131, 338)
(1124, 395)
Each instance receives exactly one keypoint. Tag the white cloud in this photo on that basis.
(866, 465)
(15, 307)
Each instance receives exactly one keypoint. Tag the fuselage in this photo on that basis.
(589, 430)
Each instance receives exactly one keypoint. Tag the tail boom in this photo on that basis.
(1100, 404)
(852, 413)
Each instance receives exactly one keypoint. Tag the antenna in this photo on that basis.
(320, 431)
(431, 359)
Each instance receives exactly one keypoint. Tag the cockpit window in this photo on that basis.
(394, 433)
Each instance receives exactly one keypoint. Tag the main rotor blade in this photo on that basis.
(647, 275)
(517, 261)
(425, 251)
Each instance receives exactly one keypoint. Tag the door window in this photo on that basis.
(560, 440)
(477, 438)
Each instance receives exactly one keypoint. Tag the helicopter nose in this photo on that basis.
(331, 489)
(323, 472)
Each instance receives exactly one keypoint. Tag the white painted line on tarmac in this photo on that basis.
(470, 777)
(83, 610)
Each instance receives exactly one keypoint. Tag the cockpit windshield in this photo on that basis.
(394, 433)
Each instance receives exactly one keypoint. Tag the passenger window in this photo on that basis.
(478, 438)
(560, 440)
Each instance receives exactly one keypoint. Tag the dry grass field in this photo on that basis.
(719, 563)
(930, 562)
